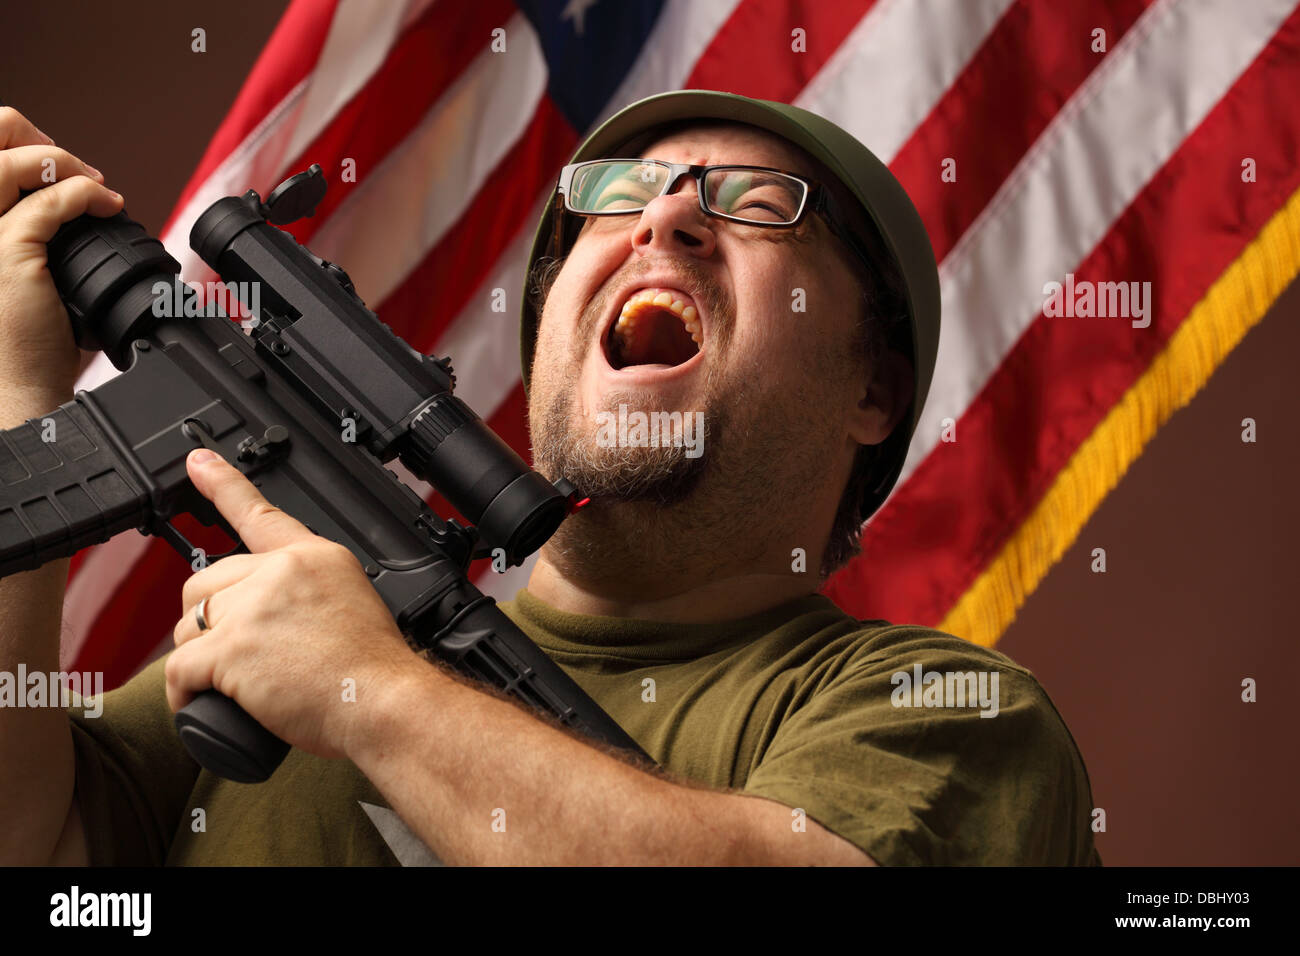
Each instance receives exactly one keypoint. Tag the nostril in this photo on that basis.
(687, 238)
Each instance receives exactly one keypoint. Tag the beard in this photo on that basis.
(653, 509)
(665, 475)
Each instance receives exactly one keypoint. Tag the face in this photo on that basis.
(767, 357)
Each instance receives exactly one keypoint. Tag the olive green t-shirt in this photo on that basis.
(912, 744)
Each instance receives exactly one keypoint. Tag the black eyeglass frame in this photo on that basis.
(817, 198)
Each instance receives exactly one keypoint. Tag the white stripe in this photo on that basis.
(484, 345)
(1121, 126)
(425, 184)
(896, 65)
(359, 40)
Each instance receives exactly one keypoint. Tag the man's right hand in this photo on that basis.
(39, 361)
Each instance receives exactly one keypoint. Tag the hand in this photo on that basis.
(288, 625)
(39, 357)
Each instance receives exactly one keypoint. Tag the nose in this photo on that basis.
(674, 222)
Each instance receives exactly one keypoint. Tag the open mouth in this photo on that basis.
(657, 326)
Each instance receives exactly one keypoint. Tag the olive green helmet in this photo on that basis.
(868, 180)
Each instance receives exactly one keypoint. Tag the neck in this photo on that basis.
(625, 560)
(722, 599)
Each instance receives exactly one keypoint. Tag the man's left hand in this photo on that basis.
(296, 633)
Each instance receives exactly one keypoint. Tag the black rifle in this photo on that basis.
(309, 405)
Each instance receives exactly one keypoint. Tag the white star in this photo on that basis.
(575, 10)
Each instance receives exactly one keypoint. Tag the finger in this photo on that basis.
(36, 218)
(217, 577)
(34, 167)
(17, 130)
(187, 626)
(190, 670)
(260, 525)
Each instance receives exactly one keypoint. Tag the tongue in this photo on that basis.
(657, 338)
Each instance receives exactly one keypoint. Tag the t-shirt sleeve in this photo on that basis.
(134, 777)
(933, 784)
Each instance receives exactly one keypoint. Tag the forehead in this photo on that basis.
(711, 142)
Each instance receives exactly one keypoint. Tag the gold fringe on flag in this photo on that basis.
(1233, 305)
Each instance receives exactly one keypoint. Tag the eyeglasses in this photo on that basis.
(753, 195)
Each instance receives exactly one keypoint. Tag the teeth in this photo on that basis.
(646, 298)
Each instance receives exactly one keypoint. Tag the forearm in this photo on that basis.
(36, 754)
(481, 781)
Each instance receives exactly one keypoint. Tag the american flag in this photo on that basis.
(1130, 141)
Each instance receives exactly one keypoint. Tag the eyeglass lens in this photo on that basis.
(754, 195)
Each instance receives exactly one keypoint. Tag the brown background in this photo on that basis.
(1144, 662)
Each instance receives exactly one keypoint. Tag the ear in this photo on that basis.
(884, 400)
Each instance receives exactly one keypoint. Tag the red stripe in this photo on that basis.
(761, 32)
(1029, 66)
(943, 526)
(289, 56)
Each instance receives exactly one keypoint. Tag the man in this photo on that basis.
(787, 301)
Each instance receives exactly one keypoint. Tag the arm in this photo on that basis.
(38, 366)
(36, 757)
(458, 765)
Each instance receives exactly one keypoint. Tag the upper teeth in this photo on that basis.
(643, 299)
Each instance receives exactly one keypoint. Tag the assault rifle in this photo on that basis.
(309, 402)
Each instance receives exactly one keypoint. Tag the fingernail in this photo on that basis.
(46, 137)
(93, 171)
(202, 456)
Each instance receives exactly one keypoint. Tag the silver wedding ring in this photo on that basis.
(198, 615)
